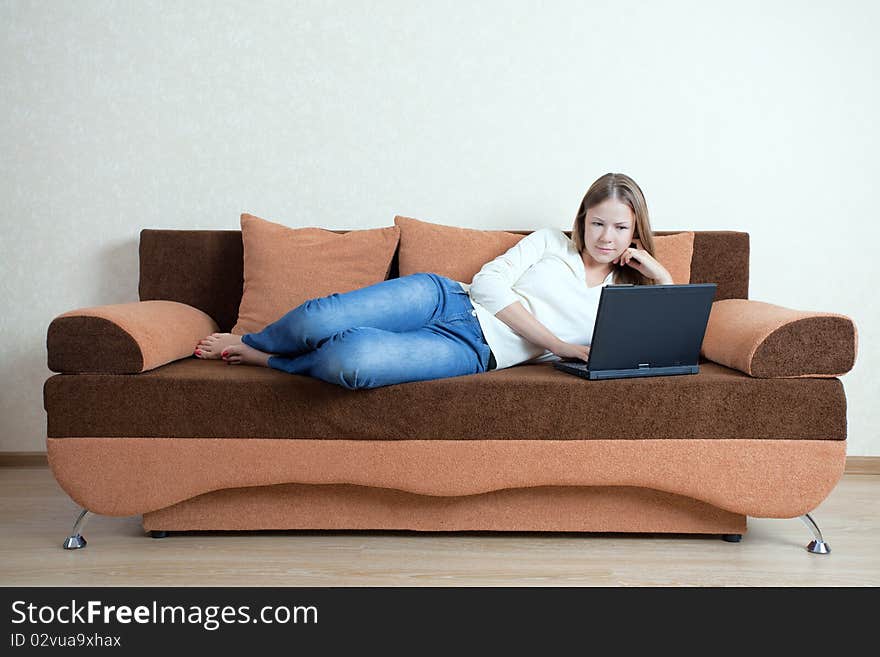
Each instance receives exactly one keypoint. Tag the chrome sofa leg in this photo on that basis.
(818, 546)
(76, 541)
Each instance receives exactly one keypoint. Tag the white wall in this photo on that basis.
(116, 116)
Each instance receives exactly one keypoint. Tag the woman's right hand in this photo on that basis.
(569, 351)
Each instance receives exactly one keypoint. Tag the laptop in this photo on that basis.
(646, 330)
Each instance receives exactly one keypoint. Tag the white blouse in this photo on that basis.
(546, 274)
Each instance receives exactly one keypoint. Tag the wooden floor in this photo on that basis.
(36, 516)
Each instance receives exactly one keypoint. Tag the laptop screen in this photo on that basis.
(650, 325)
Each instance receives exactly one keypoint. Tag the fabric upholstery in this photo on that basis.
(201, 268)
(715, 403)
(760, 478)
(765, 340)
(125, 338)
(538, 508)
(284, 267)
(721, 257)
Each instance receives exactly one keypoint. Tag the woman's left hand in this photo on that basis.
(644, 263)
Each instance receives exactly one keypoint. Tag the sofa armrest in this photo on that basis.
(125, 338)
(768, 341)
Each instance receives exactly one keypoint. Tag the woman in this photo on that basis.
(427, 326)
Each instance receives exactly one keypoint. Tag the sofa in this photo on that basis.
(137, 425)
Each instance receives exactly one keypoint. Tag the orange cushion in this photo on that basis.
(460, 253)
(768, 341)
(125, 338)
(284, 267)
(675, 253)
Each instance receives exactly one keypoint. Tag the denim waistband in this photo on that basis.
(492, 362)
(453, 286)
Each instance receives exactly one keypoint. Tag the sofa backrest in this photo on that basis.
(204, 268)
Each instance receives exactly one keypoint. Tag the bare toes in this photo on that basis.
(207, 347)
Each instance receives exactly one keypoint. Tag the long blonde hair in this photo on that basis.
(619, 187)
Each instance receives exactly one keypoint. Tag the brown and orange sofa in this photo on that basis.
(139, 426)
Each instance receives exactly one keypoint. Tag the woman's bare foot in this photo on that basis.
(213, 345)
(242, 354)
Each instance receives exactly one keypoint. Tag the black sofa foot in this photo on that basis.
(731, 538)
(158, 533)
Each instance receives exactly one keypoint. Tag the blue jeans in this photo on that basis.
(414, 328)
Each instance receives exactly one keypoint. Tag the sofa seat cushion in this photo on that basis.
(194, 398)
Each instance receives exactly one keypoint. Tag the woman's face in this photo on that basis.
(608, 230)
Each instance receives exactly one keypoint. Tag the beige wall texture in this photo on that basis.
(117, 116)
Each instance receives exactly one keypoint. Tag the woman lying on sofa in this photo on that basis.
(427, 326)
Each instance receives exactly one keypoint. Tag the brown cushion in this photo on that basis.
(769, 341)
(284, 267)
(125, 338)
(460, 253)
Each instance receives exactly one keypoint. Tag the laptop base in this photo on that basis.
(580, 369)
